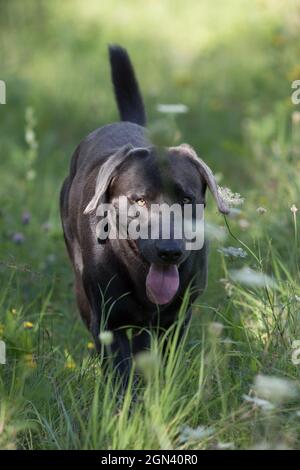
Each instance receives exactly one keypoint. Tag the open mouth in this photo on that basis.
(162, 283)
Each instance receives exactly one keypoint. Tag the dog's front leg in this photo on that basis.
(118, 353)
(121, 356)
(123, 351)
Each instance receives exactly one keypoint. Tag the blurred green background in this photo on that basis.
(226, 60)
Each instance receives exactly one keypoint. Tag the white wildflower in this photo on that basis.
(232, 199)
(197, 434)
(275, 389)
(106, 337)
(147, 363)
(244, 224)
(172, 108)
(294, 209)
(29, 136)
(264, 404)
(251, 277)
(233, 251)
(261, 210)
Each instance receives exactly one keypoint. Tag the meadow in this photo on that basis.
(234, 382)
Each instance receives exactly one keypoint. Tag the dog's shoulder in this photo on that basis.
(106, 139)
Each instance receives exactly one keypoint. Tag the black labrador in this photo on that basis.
(123, 281)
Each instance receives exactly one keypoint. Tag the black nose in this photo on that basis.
(169, 254)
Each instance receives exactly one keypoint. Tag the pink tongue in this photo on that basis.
(162, 283)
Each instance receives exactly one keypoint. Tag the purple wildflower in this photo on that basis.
(18, 238)
(26, 216)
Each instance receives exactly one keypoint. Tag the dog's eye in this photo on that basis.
(141, 202)
(187, 200)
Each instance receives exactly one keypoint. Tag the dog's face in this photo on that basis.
(158, 179)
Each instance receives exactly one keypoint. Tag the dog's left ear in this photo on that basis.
(108, 170)
(207, 175)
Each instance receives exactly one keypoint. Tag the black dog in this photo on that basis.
(125, 282)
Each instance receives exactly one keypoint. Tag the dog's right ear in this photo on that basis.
(105, 175)
(107, 171)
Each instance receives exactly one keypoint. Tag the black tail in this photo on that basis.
(128, 96)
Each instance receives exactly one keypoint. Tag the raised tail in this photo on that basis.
(127, 92)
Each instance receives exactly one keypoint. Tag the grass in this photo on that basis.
(234, 71)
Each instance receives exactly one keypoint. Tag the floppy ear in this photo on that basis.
(107, 171)
(105, 175)
(207, 174)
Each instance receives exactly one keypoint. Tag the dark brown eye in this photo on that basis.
(187, 200)
(141, 202)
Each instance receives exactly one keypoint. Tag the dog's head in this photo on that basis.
(150, 178)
